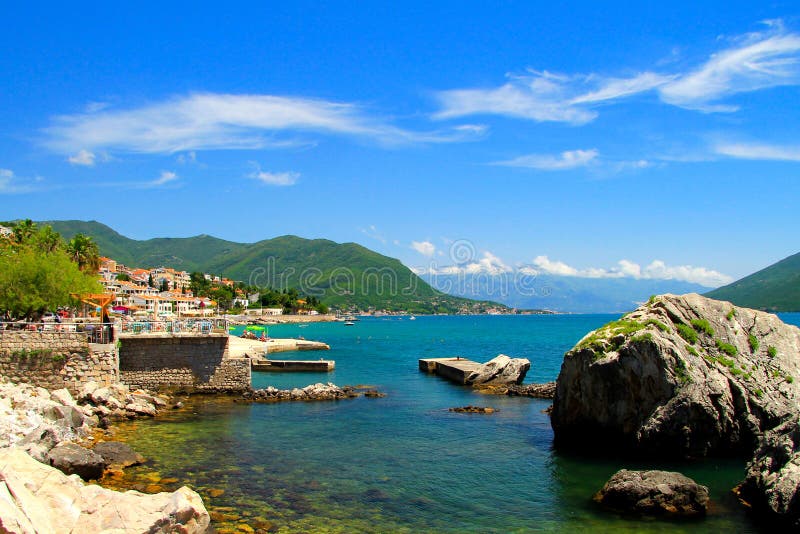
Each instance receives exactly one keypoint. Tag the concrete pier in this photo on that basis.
(320, 366)
(454, 369)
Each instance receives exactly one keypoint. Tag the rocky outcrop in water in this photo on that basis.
(690, 376)
(773, 476)
(499, 371)
(313, 392)
(40, 499)
(681, 375)
(474, 409)
(654, 493)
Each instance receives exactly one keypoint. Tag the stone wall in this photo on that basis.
(56, 360)
(185, 362)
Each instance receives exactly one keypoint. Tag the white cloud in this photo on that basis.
(487, 264)
(426, 248)
(755, 61)
(538, 96)
(569, 159)
(226, 121)
(372, 232)
(10, 183)
(189, 157)
(165, 177)
(554, 267)
(615, 88)
(5, 178)
(276, 178)
(656, 270)
(83, 157)
(760, 60)
(757, 151)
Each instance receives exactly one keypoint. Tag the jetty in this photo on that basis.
(319, 366)
(454, 369)
(257, 349)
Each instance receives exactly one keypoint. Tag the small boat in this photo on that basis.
(412, 318)
(302, 326)
(349, 323)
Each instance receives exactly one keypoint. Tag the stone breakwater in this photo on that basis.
(38, 430)
(313, 392)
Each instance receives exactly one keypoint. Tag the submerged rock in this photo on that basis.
(500, 370)
(474, 409)
(117, 454)
(39, 498)
(654, 493)
(681, 376)
(536, 391)
(313, 392)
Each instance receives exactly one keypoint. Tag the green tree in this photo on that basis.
(164, 287)
(32, 282)
(83, 251)
(123, 277)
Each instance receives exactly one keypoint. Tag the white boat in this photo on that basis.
(349, 323)
(412, 318)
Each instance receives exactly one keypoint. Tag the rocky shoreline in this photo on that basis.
(51, 442)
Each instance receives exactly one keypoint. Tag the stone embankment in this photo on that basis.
(688, 376)
(41, 465)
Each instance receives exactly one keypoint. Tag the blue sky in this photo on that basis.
(578, 139)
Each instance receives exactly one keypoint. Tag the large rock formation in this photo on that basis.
(36, 498)
(690, 376)
(654, 493)
(500, 370)
(773, 476)
(681, 375)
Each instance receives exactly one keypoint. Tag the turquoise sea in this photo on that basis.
(404, 463)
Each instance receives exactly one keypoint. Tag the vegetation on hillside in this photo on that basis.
(775, 288)
(39, 271)
(344, 276)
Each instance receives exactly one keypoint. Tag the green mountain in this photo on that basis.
(342, 275)
(776, 288)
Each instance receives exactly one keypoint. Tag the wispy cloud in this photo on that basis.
(372, 232)
(756, 61)
(656, 270)
(751, 62)
(227, 121)
(165, 178)
(759, 151)
(275, 178)
(569, 159)
(426, 248)
(83, 157)
(10, 183)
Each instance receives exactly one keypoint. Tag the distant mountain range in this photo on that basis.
(342, 275)
(559, 293)
(775, 288)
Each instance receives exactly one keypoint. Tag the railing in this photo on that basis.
(183, 326)
(95, 332)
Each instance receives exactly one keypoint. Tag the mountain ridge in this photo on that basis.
(341, 274)
(775, 288)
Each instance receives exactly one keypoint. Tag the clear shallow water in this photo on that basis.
(404, 463)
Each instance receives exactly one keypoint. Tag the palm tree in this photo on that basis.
(83, 251)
